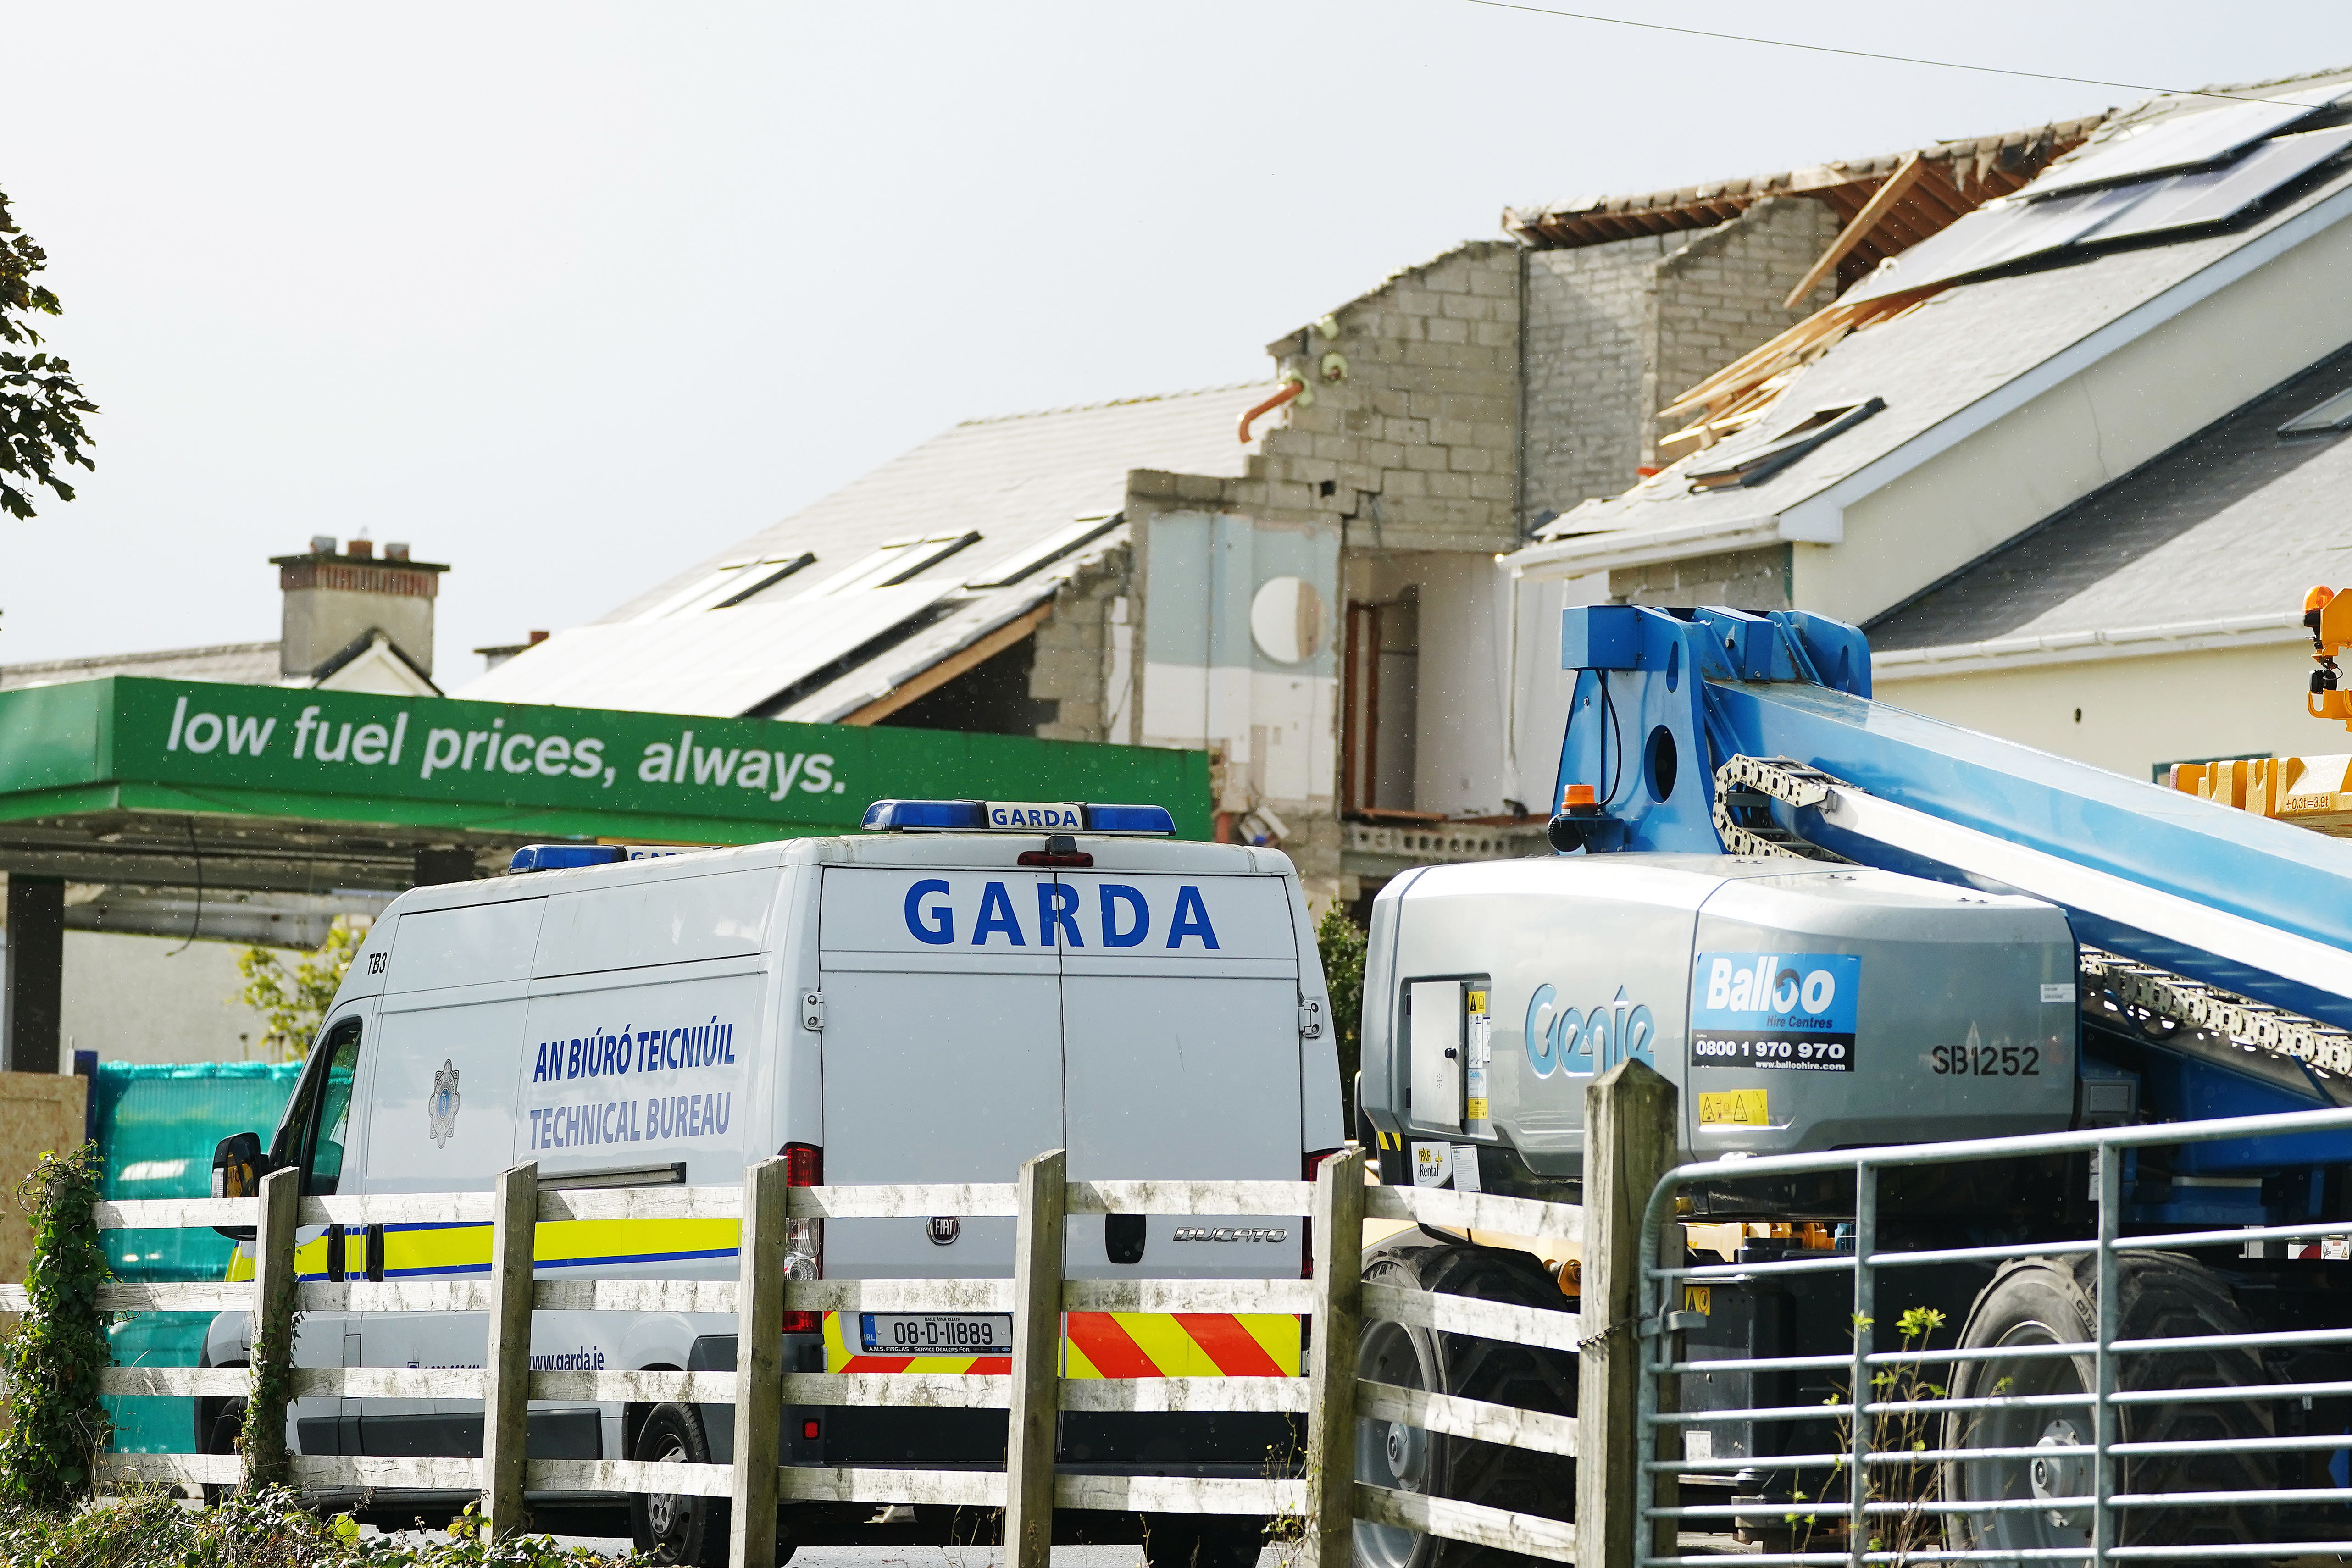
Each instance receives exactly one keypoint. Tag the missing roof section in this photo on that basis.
(1816, 429)
(2038, 228)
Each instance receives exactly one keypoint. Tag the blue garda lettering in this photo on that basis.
(1191, 920)
(571, 1061)
(1057, 906)
(996, 915)
(1113, 894)
(936, 924)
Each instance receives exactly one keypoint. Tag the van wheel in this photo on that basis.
(220, 1430)
(674, 1527)
(2053, 1300)
(1405, 1459)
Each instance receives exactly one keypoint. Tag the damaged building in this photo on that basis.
(1302, 577)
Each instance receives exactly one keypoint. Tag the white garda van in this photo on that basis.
(967, 986)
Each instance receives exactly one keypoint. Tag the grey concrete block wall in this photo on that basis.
(1073, 650)
(1615, 331)
(1418, 442)
(1738, 580)
(1589, 379)
(1720, 295)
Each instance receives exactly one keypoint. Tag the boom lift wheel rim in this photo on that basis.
(1389, 1453)
(1988, 1479)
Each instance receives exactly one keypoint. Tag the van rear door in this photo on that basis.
(1179, 1029)
(942, 1054)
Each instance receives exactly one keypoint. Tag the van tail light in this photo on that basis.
(804, 1239)
(1306, 1224)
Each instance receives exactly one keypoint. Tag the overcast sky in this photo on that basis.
(567, 295)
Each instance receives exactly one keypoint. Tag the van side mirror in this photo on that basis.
(238, 1166)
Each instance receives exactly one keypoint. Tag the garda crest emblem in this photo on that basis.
(441, 1107)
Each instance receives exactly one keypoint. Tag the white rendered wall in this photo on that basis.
(2137, 713)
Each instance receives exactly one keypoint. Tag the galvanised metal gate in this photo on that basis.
(2112, 1398)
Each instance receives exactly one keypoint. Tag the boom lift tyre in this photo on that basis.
(2053, 1300)
(1407, 1459)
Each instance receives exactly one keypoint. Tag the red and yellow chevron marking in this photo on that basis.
(1119, 1344)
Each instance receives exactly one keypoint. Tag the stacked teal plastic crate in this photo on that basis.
(155, 1127)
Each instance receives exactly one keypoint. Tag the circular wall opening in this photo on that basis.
(1286, 620)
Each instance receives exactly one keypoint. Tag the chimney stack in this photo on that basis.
(333, 602)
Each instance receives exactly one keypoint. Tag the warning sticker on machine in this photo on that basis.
(1785, 1011)
(1735, 1108)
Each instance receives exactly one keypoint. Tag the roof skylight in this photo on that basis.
(2334, 414)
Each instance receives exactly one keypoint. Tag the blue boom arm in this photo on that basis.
(1665, 697)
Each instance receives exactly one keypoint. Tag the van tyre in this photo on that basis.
(672, 1526)
(2051, 1300)
(1407, 1460)
(220, 1430)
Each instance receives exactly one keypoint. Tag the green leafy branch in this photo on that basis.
(1916, 1483)
(41, 404)
(293, 1002)
(56, 1424)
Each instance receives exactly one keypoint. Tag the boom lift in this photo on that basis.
(2035, 944)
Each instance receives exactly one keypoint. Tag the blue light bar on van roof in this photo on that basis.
(925, 817)
(1130, 820)
(564, 857)
(1015, 817)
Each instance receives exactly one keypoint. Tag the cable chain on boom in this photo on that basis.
(2124, 988)
(1742, 786)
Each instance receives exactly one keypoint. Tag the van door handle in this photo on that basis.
(335, 1253)
(375, 1254)
(1451, 1053)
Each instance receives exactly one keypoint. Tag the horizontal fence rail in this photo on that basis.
(2043, 1473)
(509, 1289)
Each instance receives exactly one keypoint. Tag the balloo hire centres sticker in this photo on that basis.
(1785, 1011)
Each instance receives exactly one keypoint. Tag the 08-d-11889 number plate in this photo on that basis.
(935, 1334)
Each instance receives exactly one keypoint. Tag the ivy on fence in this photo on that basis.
(57, 1425)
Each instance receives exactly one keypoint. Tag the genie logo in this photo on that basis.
(1583, 1043)
(1122, 916)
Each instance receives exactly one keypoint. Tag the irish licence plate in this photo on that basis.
(936, 1334)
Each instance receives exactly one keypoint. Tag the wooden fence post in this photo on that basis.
(1036, 1381)
(1629, 1143)
(273, 1329)
(506, 1364)
(1331, 1361)
(759, 1366)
